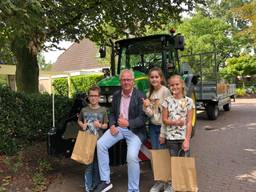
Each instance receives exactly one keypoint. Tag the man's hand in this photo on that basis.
(113, 130)
(122, 122)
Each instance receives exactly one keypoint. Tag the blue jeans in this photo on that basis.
(91, 175)
(133, 148)
(154, 132)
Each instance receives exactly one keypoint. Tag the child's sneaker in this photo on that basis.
(103, 187)
(157, 187)
(168, 188)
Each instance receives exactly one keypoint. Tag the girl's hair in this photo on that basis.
(160, 73)
(182, 82)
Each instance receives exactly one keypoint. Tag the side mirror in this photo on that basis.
(179, 42)
(102, 51)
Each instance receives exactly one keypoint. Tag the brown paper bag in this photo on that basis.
(184, 174)
(84, 148)
(161, 164)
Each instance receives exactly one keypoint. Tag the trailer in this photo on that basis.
(212, 92)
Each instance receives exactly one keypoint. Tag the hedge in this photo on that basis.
(27, 117)
(79, 84)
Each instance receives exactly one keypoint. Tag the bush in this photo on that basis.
(254, 90)
(61, 86)
(79, 84)
(240, 92)
(27, 117)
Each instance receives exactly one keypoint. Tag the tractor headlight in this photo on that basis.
(103, 99)
(110, 98)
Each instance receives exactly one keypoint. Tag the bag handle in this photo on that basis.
(183, 153)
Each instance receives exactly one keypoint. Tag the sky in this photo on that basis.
(51, 56)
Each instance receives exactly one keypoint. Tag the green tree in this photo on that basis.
(240, 15)
(247, 13)
(6, 55)
(28, 24)
(206, 34)
(239, 66)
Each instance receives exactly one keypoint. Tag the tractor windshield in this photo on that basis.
(143, 55)
(140, 61)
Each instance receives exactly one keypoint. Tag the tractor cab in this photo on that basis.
(140, 55)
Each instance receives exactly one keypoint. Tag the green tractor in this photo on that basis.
(140, 55)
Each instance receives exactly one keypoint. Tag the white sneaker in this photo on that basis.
(157, 187)
(168, 188)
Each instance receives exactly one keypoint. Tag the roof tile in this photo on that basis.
(78, 56)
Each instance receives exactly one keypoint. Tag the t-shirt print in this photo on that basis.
(90, 118)
(177, 109)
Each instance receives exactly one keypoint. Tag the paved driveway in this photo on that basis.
(225, 152)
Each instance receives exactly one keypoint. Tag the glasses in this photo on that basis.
(127, 80)
(93, 95)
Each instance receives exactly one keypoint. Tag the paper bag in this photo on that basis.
(84, 148)
(184, 174)
(161, 164)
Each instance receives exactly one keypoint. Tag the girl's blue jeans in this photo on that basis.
(154, 132)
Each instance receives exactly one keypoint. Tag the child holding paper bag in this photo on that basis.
(177, 115)
(93, 119)
(153, 109)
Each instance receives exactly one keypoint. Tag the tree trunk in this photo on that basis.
(27, 70)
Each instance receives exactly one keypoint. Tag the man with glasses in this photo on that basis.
(126, 121)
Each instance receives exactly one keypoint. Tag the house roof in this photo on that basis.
(78, 56)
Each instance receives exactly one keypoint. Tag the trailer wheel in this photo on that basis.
(227, 107)
(212, 111)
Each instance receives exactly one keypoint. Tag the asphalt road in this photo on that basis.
(224, 149)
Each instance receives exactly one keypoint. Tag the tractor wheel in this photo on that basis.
(227, 107)
(212, 111)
